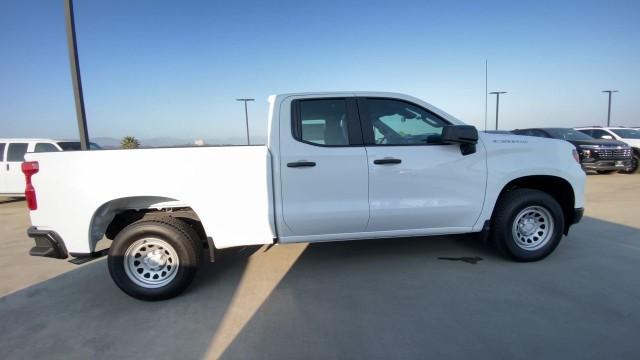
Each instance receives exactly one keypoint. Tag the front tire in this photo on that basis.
(527, 224)
(155, 259)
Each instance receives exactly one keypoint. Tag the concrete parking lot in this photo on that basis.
(381, 299)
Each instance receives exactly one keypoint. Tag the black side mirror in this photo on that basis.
(461, 134)
(465, 135)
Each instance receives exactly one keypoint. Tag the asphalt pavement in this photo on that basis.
(417, 298)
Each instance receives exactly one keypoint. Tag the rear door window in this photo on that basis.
(2, 145)
(16, 152)
(322, 122)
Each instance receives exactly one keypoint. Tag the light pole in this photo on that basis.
(75, 74)
(486, 78)
(246, 116)
(497, 93)
(609, 109)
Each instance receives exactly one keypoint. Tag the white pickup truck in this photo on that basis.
(337, 166)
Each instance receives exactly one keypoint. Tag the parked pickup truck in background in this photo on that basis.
(337, 166)
(629, 136)
(601, 155)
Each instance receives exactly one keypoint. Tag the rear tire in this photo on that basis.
(527, 224)
(604, 172)
(155, 258)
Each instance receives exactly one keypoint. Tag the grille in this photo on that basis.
(613, 153)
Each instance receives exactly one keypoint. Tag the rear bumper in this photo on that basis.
(48, 244)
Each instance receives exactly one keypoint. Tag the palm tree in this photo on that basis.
(129, 142)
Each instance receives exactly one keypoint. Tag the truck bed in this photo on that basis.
(230, 188)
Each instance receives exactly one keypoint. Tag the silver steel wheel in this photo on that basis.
(533, 228)
(151, 263)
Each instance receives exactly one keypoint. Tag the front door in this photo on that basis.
(14, 180)
(415, 181)
(323, 169)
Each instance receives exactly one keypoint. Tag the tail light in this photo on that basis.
(29, 168)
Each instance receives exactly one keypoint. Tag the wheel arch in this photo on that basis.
(114, 215)
(558, 188)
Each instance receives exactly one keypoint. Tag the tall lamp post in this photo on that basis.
(609, 108)
(497, 93)
(246, 115)
(75, 74)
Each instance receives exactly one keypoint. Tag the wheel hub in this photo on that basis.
(533, 227)
(527, 226)
(151, 262)
(155, 260)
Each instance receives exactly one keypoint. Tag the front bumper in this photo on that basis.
(48, 244)
(604, 165)
(577, 215)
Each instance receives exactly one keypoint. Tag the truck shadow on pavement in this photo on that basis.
(375, 299)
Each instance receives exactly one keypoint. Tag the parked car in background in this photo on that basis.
(66, 145)
(630, 136)
(12, 153)
(601, 155)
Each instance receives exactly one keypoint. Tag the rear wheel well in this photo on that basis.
(127, 217)
(559, 188)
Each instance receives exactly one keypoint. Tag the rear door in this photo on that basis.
(323, 169)
(3, 168)
(14, 181)
(416, 182)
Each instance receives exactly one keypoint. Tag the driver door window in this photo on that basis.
(397, 122)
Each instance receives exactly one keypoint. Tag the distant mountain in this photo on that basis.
(113, 143)
(255, 140)
(165, 141)
(107, 142)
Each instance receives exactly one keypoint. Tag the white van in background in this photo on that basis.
(12, 153)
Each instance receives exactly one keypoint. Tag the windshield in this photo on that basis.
(627, 133)
(75, 145)
(568, 134)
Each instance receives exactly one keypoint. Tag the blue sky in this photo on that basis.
(174, 69)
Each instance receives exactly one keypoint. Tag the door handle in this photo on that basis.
(301, 164)
(387, 161)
